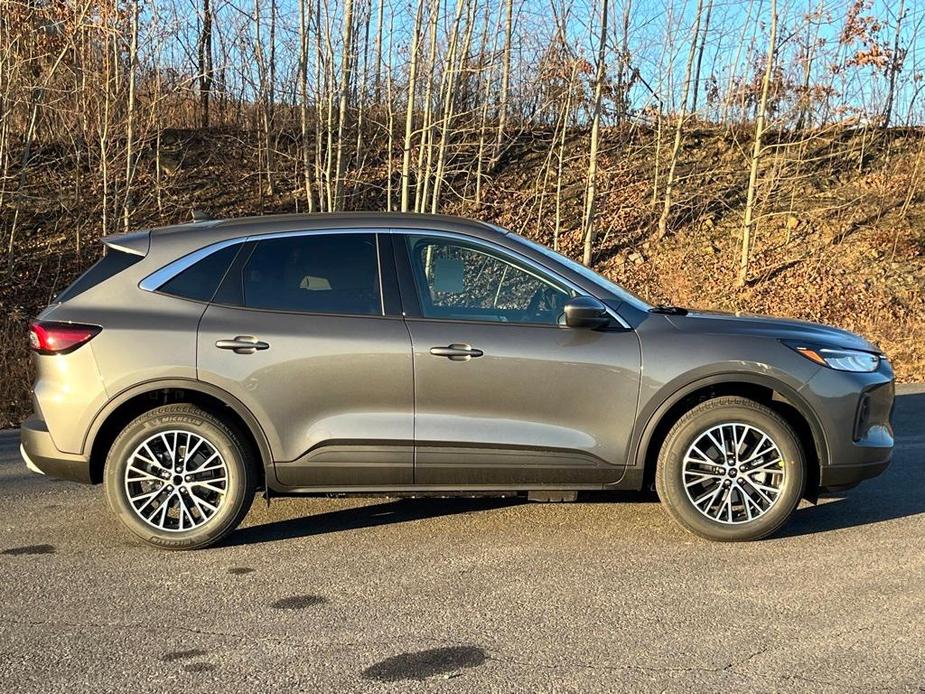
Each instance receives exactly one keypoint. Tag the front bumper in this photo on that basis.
(855, 411)
(41, 455)
(835, 476)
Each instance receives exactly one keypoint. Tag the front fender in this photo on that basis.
(653, 409)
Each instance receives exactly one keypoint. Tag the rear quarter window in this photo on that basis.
(200, 280)
(107, 267)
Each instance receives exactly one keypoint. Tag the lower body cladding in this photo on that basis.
(432, 466)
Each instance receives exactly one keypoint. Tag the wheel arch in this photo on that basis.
(770, 391)
(145, 396)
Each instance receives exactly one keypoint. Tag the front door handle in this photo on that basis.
(456, 352)
(242, 344)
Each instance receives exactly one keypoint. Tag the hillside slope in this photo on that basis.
(840, 239)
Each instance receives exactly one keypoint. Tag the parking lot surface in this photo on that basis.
(457, 595)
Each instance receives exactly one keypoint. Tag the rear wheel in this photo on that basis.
(179, 478)
(731, 469)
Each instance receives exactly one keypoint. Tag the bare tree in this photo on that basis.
(409, 111)
(587, 225)
(346, 69)
(895, 64)
(679, 127)
(303, 104)
(505, 82)
(748, 220)
(205, 64)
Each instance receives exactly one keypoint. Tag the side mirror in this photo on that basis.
(586, 312)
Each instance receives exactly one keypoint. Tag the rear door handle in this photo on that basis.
(242, 344)
(456, 352)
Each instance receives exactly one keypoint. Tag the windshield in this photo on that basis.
(585, 272)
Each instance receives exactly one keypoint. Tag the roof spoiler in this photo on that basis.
(136, 242)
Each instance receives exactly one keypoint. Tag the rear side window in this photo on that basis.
(200, 280)
(111, 264)
(315, 273)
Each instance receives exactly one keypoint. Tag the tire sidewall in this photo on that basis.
(690, 428)
(155, 422)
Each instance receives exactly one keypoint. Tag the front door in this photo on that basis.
(298, 333)
(504, 394)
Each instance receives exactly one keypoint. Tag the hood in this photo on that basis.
(717, 323)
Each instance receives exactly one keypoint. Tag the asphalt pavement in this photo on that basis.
(456, 595)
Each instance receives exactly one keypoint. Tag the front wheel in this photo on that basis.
(731, 469)
(179, 478)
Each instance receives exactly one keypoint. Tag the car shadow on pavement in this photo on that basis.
(388, 512)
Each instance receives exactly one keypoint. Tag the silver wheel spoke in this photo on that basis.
(719, 480)
(142, 497)
(204, 465)
(208, 486)
(141, 475)
(205, 503)
(767, 466)
(173, 501)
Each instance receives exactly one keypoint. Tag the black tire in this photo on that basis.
(238, 493)
(669, 476)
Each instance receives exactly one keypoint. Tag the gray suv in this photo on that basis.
(415, 354)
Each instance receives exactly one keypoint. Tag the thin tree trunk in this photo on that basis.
(391, 123)
(127, 203)
(587, 225)
(409, 112)
(346, 71)
(623, 63)
(447, 117)
(748, 221)
(483, 127)
(205, 64)
(505, 83)
(703, 44)
(566, 111)
(679, 129)
(303, 104)
(425, 151)
(377, 64)
(895, 66)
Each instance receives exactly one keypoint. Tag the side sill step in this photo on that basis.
(552, 496)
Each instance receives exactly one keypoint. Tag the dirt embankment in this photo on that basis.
(840, 236)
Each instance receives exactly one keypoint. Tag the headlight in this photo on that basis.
(838, 359)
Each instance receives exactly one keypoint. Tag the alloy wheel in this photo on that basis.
(733, 473)
(176, 481)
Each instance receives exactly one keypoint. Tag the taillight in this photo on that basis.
(47, 337)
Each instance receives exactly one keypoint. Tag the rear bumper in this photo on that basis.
(40, 455)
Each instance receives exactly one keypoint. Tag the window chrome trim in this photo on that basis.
(159, 278)
(534, 267)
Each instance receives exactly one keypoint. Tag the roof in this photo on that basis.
(184, 237)
(267, 224)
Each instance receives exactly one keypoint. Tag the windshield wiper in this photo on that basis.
(670, 310)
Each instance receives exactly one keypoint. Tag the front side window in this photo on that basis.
(315, 273)
(456, 280)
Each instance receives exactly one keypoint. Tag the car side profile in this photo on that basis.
(428, 355)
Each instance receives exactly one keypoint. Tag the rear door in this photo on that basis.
(504, 394)
(306, 331)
